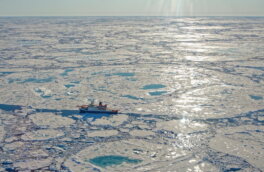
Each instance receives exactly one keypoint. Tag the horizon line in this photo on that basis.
(137, 16)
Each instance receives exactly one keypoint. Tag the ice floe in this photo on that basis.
(102, 133)
(42, 134)
(14, 145)
(150, 155)
(141, 133)
(2, 132)
(244, 141)
(51, 120)
(114, 120)
(33, 164)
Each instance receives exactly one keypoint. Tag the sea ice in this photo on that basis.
(181, 126)
(244, 141)
(2, 132)
(141, 133)
(151, 154)
(102, 133)
(42, 134)
(114, 120)
(51, 120)
(32, 164)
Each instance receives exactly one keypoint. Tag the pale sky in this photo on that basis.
(131, 7)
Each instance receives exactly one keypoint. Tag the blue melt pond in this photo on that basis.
(153, 86)
(35, 80)
(45, 97)
(124, 74)
(5, 73)
(256, 97)
(29, 42)
(9, 107)
(66, 71)
(133, 97)
(42, 94)
(131, 79)
(110, 160)
(69, 85)
(157, 93)
(11, 80)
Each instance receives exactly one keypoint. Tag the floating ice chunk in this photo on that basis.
(102, 121)
(102, 133)
(33, 164)
(51, 120)
(38, 153)
(13, 146)
(42, 135)
(151, 154)
(11, 139)
(5, 115)
(2, 132)
(126, 130)
(261, 118)
(114, 120)
(141, 133)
